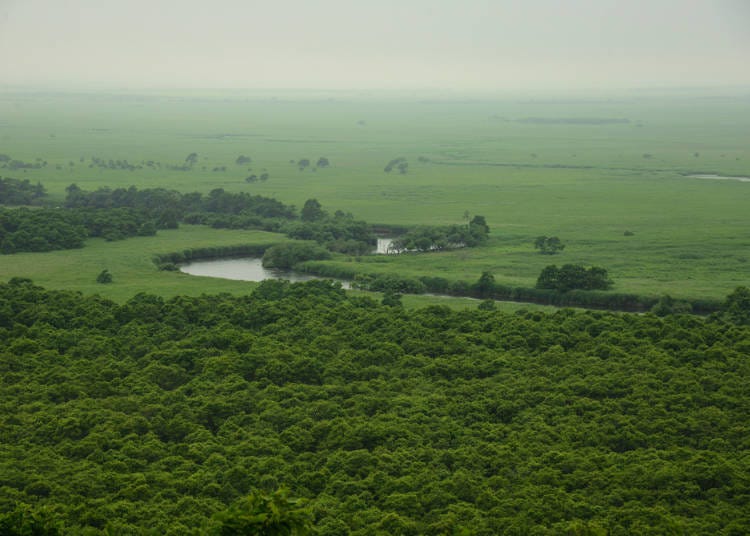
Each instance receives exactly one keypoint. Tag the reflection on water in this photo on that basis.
(720, 178)
(245, 269)
(251, 268)
(383, 245)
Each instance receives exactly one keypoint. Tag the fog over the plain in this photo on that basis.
(396, 44)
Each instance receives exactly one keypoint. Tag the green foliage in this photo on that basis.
(264, 514)
(285, 256)
(104, 277)
(39, 230)
(669, 306)
(487, 305)
(391, 299)
(25, 521)
(340, 233)
(399, 163)
(486, 284)
(737, 306)
(548, 245)
(154, 415)
(388, 283)
(20, 192)
(424, 238)
(573, 276)
(312, 211)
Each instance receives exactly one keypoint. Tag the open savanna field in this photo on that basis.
(531, 165)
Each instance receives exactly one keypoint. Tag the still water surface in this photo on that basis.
(720, 177)
(251, 268)
(245, 269)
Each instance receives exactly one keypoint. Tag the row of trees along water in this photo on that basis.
(115, 214)
(155, 415)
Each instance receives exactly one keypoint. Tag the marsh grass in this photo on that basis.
(586, 183)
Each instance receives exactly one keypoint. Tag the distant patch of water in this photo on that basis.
(383, 245)
(719, 177)
(246, 269)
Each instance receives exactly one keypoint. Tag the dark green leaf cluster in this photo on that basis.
(425, 238)
(399, 163)
(737, 306)
(25, 521)
(340, 232)
(13, 164)
(20, 192)
(104, 277)
(110, 163)
(224, 210)
(154, 415)
(548, 245)
(25, 229)
(573, 276)
(264, 514)
(389, 283)
(285, 256)
(155, 201)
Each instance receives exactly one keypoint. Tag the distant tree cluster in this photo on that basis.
(115, 164)
(104, 277)
(263, 177)
(400, 164)
(548, 245)
(6, 162)
(573, 276)
(20, 192)
(392, 283)
(340, 232)
(285, 256)
(221, 209)
(39, 230)
(304, 163)
(157, 201)
(425, 238)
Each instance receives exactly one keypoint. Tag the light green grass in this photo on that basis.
(691, 239)
(130, 263)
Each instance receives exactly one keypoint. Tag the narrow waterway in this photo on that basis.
(719, 177)
(246, 269)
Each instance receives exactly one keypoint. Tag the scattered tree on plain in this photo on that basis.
(548, 245)
(104, 277)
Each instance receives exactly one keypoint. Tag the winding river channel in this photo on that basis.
(251, 268)
(246, 269)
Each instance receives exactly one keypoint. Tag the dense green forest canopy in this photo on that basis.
(154, 415)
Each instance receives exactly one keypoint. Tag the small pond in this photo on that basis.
(719, 177)
(251, 268)
(246, 269)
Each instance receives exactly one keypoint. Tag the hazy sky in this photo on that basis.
(468, 44)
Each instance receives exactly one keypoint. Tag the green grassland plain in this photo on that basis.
(586, 183)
